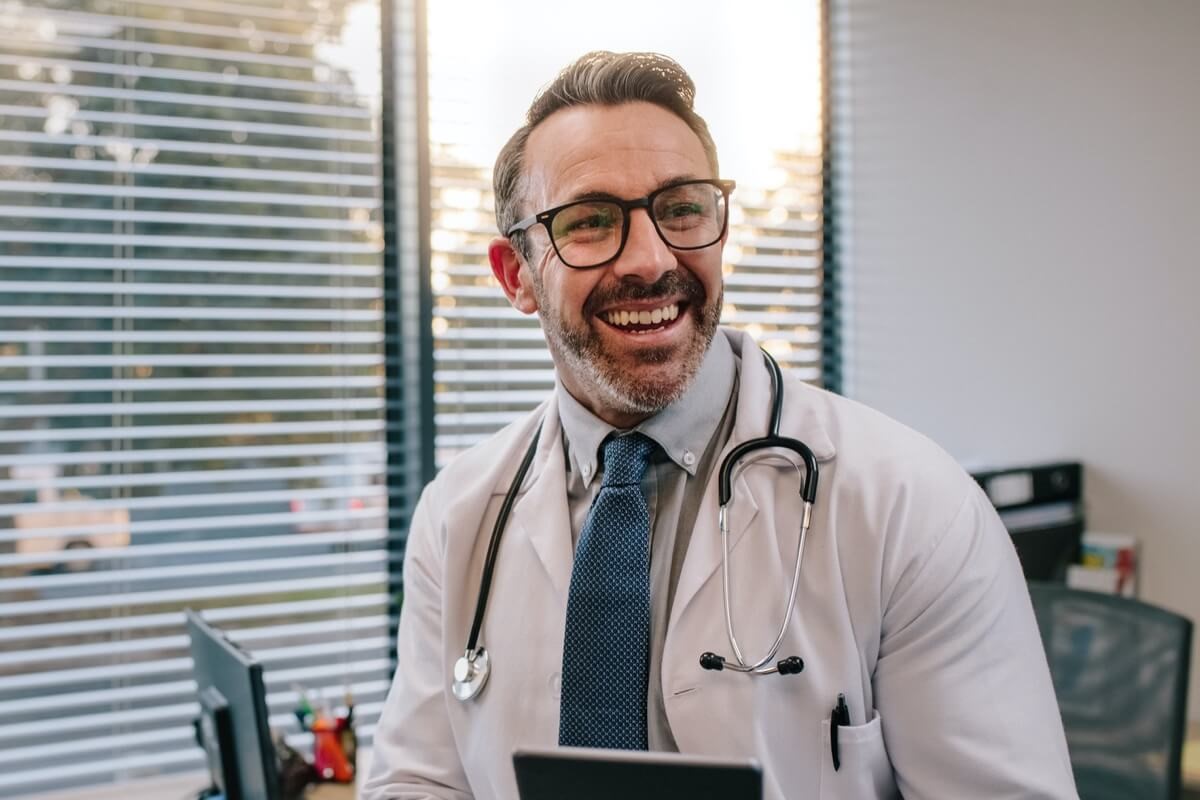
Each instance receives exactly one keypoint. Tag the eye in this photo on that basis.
(586, 222)
(682, 206)
(603, 218)
(680, 215)
(677, 210)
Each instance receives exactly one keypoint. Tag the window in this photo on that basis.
(195, 290)
(757, 67)
(191, 369)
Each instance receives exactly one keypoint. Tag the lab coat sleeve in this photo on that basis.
(414, 755)
(961, 683)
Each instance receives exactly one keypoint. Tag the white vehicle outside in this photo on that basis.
(65, 523)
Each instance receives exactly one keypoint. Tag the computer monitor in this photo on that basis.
(1042, 507)
(1047, 550)
(233, 725)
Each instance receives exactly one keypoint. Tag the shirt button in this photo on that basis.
(586, 470)
(689, 458)
(556, 685)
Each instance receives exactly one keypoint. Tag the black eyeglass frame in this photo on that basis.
(546, 217)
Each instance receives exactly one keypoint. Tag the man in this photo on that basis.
(911, 613)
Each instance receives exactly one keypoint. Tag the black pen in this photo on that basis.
(840, 716)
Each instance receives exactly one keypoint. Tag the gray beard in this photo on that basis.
(613, 389)
(581, 351)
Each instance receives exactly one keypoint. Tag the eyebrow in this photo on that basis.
(597, 195)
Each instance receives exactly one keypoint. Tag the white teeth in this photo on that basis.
(655, 317)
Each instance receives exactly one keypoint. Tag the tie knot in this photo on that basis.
(626, 458)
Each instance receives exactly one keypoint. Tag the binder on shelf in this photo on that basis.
(1042, 507)
(1109, 564)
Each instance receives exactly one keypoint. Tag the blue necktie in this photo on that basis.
(606, 650)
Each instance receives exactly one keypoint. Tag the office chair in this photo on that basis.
(1120, 670)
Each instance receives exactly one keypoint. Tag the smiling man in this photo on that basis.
(627, 340)
(905, 657)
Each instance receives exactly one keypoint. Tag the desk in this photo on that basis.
(1191, 757)
(178, 786)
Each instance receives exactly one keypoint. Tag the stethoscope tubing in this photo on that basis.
(808, 492)
(472, 670)
(759, 664)
(489, 561)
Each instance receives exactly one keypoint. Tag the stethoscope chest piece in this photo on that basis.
(471, 672)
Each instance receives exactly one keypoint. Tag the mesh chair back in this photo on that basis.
(1120, 670)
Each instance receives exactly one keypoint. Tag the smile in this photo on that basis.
(622, 318)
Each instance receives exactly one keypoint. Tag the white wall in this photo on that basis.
(1023, 223)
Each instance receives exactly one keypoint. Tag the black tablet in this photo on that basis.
(585, 774)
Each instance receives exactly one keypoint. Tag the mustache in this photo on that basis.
(671, 284)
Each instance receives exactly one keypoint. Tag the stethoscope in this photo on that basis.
(471, 671)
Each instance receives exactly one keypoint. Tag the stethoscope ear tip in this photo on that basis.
(712, 661)
(792, 665)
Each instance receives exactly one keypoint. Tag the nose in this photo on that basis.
(646, 255)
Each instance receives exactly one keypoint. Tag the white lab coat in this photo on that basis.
(911, 603)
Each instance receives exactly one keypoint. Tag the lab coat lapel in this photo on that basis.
(705, 550)
(540, 515)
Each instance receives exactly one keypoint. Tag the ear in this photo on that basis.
(507, 267)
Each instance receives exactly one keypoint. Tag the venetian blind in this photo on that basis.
(191, 369)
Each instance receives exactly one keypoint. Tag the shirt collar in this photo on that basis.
(682, 429)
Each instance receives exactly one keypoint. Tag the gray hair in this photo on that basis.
(597, 78)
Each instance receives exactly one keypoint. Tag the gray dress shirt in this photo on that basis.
(690, 434)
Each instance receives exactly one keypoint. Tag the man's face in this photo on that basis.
(623, 373)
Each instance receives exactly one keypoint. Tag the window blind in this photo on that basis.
(491, 362)
(191, 370)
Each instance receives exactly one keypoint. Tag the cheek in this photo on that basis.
(707, 268)
(538, 284)
(569, 290)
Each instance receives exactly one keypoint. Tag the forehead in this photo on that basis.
(627, 150)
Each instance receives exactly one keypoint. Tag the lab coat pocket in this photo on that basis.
(865, 772)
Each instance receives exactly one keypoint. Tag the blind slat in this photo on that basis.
(333, 135)
(186, 99)
(187, 171)
(224, 547)
(190, 384)
(349, 467)
(188, 290)
(195, 195)
(183, 596)
(188, 76)
(105, 626)
(179, 218)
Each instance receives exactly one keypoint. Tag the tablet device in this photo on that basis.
(582, 773)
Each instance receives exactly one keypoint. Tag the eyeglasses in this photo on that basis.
(689, 215)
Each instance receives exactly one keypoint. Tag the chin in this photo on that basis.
(630, 393)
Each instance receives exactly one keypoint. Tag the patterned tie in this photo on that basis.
(606, 651)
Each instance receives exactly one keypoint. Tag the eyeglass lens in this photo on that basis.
(687, 217)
